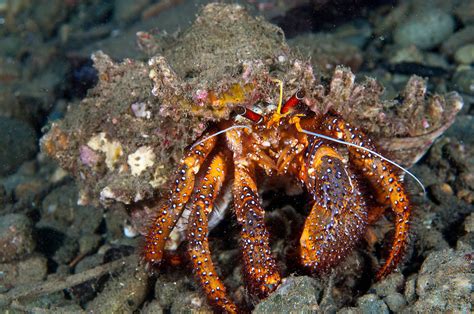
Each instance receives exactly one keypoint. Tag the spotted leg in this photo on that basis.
(338, 217)
(384, 179)
(170, 210)
(260, 268)
(203, 200)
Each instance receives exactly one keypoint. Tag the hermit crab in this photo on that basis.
(331, 159)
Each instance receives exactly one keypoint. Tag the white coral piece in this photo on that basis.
(141, 159)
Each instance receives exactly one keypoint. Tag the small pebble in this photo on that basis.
(23, 272)
(464, 11)
(126, 11)
(29, 189)
(191, 302)
(67, 251)
(469, 223)
(393, 283)
(10, 45)
(166, 292)
(424, 29)
(129, 231)
(124, 294)
(465, 54)
(152, 307)
(3, 195)
(457, 40)
(395, 301)
(16, 237)
(371, 304)
(463, 80)
(89, 243)
(441, 192)
(349, 310)
(18, 143)
(444, 283)
(466, 195)
(88, 262)
(300, 293)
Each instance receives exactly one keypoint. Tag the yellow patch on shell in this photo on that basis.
(112, 150)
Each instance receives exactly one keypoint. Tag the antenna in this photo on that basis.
(367, 150)
(220, 132)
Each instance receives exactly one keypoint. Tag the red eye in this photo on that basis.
(249, 114)
(293, 101)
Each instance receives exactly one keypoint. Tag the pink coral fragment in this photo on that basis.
(200, 96)
(88, 156)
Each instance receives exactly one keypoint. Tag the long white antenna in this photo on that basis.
(367, 150)
(220, 132)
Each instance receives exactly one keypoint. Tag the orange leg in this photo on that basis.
(204, 197)
(260, 268)
(170, 210)
(384, 178)
(338, 218)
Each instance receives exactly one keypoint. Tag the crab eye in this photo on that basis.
(293, 101)
(300, 94)
(249, 114)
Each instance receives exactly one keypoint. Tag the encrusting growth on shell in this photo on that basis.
(166, 103)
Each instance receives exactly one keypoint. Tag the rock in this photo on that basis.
(27, 271)
(10, 46)
(410, 289)
(88, 262)
(406, 54)
(127, 11)
(429, 238)
(326, 51)
(463, 80)
(167, 292)
(469, 223)
(465, 54)
(49, 15)
(296, 294)
(371, 304)
(123, 294)
(3, 196)
(30, 189)
(466, 242)
(441, 192)
(349, 310)
(152, 307)
(67, 251)
(61, 212)
(462, 129)
(357, 32)
(444, 283)
(458, 39)
(464, 11)
(424, 29)
(16, 238)
(191, 302)
(395, 301)
(17, 144)
(89, 243)
(393, 283)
